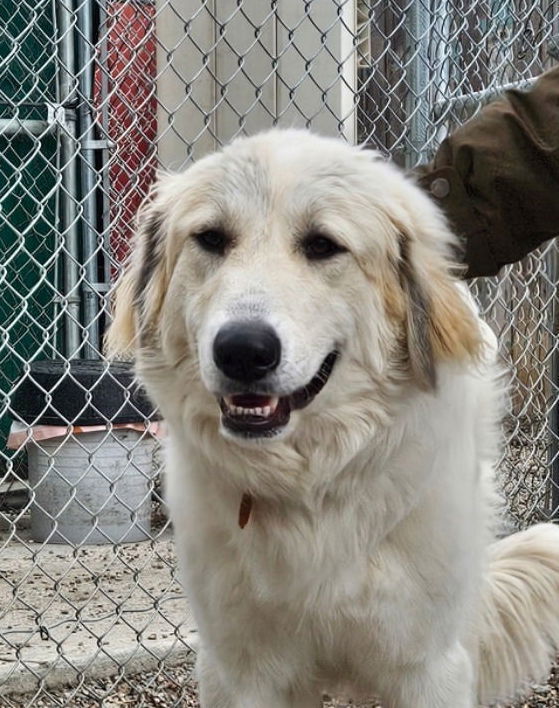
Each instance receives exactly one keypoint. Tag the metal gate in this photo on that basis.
(95, 95)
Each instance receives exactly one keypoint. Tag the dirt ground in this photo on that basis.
(67, 613)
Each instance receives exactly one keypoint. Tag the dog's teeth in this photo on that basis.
(259, 411)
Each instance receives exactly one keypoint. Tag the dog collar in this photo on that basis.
(244, 510)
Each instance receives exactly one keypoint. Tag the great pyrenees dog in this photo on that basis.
(332, 401)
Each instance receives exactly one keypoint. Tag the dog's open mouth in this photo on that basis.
(264, 415)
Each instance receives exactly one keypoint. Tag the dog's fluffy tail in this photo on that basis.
(519, 630)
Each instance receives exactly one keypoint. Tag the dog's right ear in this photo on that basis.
(140, 292)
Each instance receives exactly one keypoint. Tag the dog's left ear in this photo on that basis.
(440, 326)
(140, 292)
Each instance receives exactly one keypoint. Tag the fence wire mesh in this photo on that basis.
(95, 96)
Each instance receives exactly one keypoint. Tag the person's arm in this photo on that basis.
(497, 177)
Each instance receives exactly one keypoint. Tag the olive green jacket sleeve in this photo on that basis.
(497, 177)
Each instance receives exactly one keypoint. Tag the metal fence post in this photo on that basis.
(417, 106)
(86, 54)
(66, 88)
(441, 54)
(553, 453)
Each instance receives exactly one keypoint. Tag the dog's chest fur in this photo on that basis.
(335, 578)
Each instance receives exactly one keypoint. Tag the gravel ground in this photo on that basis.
(176, 687)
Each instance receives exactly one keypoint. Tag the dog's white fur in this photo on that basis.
(368, 562)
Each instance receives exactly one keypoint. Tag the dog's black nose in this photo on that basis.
(246, 351)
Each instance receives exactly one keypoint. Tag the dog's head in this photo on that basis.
(285, 278)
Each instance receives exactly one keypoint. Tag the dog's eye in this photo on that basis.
(317, 247)
(213, 241)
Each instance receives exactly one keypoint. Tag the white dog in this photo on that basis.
(332, 408)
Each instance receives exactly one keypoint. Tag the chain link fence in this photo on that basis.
(95, 96)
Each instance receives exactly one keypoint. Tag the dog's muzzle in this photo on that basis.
(253, 415)
(247, 352)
